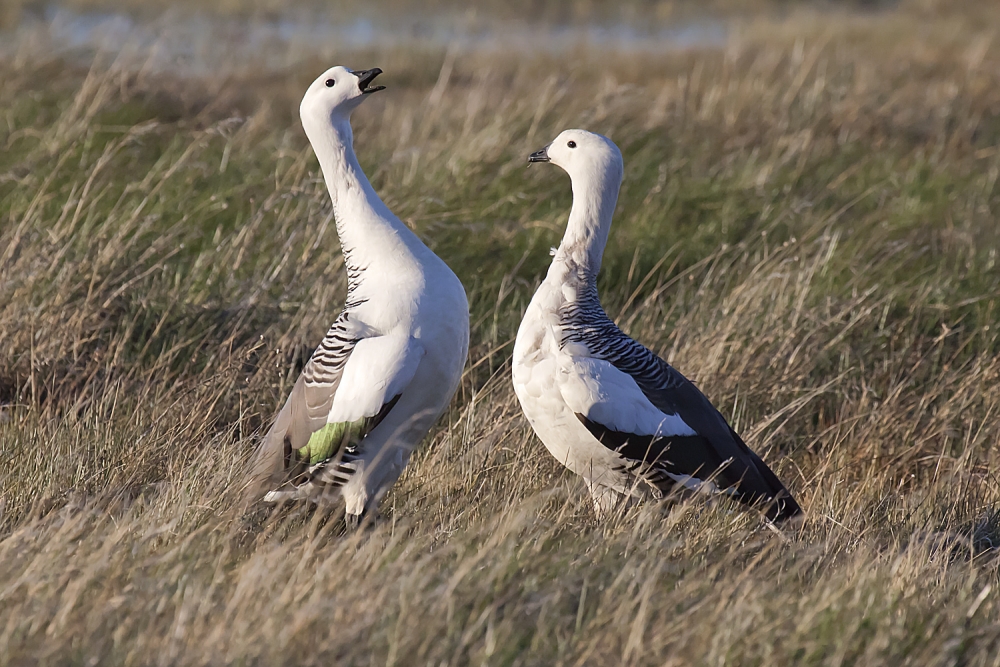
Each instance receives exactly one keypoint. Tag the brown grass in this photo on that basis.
(807, 228)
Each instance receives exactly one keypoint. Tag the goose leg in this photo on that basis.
(607, 501)
(374, 476)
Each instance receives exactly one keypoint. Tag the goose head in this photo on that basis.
(335, 94)
(583, 155)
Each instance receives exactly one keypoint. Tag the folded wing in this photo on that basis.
(666, 429)
(346, 389)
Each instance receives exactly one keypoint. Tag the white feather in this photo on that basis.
(604, 394)
(378, 370)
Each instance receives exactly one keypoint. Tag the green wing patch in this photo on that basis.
(328, 441)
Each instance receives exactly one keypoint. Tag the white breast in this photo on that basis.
(535, 374)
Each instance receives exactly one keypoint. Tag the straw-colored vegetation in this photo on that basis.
(808, 228)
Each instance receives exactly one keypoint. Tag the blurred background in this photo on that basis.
(269, 36)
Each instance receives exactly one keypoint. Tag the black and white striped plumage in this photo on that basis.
(603, 404)
(328, 360)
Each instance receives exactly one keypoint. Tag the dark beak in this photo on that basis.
(365, 77)
(539, 156)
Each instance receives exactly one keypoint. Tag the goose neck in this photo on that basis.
(367, 228)
(582, 246)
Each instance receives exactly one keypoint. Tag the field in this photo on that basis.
(808, 228)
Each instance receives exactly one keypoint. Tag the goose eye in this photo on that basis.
(329, 83)
(571, 144)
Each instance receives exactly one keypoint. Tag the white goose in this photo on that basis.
(391, 362)
(605, 406)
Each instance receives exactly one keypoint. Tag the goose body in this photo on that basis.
(603, 404)
(391, 362)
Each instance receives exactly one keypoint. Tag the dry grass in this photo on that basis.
(808, 228)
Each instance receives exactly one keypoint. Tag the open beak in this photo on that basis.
(365, 77)
(540, 156)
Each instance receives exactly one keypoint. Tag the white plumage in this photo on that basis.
(595, 388)
(390, 364)
(604, 405)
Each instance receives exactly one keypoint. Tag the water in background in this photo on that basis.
(196, 44)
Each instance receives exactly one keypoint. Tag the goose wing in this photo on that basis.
(349, 385)
(665, 428)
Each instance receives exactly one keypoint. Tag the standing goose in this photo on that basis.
(604, 405)
(392, 360)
